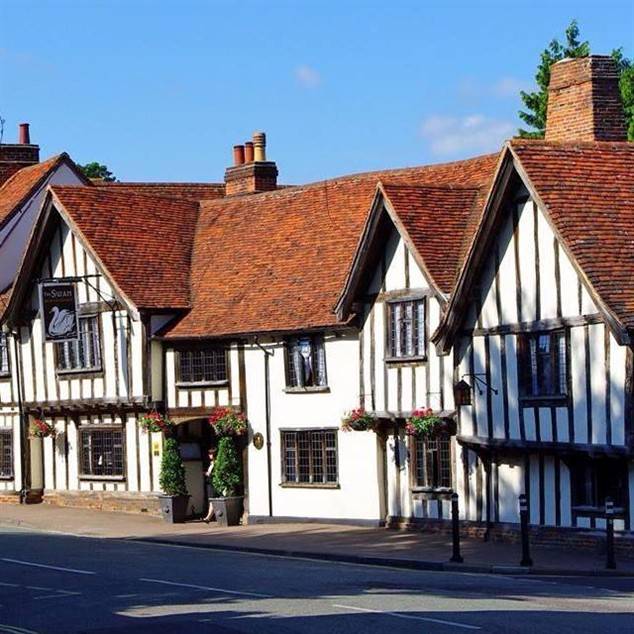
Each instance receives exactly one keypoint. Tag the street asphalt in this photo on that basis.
(59, 583)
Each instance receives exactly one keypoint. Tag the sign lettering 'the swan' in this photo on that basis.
(58, 303)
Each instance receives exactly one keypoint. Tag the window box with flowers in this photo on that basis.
(358, 420)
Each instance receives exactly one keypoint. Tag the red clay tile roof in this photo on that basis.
(588, 191)
(144, 242)
(277, 261)
(437, 220)
(21, 186)
(186, 191)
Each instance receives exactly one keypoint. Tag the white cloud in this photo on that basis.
(307, 76)
(458, 135)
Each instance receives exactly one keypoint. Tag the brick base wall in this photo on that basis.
(105, 501)
(10, 498)
(589, 540)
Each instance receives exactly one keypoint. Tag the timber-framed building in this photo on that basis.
(496, 291)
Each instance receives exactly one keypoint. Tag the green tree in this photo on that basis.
(227, 473)
(172, 476)
(626, 85)
(536, 102)
(97, 170)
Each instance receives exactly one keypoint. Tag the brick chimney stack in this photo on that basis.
(251, 173)
(584, 101)
(15, 156)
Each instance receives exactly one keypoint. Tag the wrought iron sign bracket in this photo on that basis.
(477, 377)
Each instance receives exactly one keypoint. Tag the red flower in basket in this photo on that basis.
(226, 421)
(41, 429)
(422, 422)
(358, 420)
(155, 422)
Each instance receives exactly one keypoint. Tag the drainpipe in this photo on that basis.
(267, 408)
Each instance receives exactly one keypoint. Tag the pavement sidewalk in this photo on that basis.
(408, 549)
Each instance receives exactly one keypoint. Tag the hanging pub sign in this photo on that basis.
(58, 302)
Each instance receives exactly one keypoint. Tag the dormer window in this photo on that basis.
(406, 334)
(4, 355)
(306, 362)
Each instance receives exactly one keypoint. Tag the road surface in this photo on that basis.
(67, 584)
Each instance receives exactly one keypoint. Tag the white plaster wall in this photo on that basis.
(359, 478)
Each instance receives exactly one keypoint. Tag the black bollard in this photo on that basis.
(610, 561)
(455, 527)
(526, 556)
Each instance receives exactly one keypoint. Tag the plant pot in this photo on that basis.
(359, 425)
(173, 508)
(228, 510)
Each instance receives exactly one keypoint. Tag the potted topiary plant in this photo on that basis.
(227, 471)
(174, 498)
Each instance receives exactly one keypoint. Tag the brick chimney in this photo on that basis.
(251, 172)
(584, 101)
(15, 156)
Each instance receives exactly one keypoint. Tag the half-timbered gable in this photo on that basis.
(21, 196)
(403, 271)
(541, 341)
(93, 390)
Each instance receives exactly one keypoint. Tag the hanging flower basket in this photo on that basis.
(155, 422)
(226, 421)
(358, 420)
(425, 424)
(41, 429)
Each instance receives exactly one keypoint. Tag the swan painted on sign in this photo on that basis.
(62, 323)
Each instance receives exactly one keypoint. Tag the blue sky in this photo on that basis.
(161, 90)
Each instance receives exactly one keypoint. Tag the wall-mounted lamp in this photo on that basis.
(462, 390)
(462, 393)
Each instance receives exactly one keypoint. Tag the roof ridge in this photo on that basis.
(157, 183)
(378, 174)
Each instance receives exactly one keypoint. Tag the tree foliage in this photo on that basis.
(172, 476)
(97, 170)
(536, 102)
(227, 473)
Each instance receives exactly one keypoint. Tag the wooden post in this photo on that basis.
(456, 557)
(526, 556)
(610, 562)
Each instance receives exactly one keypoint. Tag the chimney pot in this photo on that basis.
(248, 152)
(238, 154)
(24, 135)
(259, 145)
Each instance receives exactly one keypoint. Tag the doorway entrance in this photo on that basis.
(195, 438)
